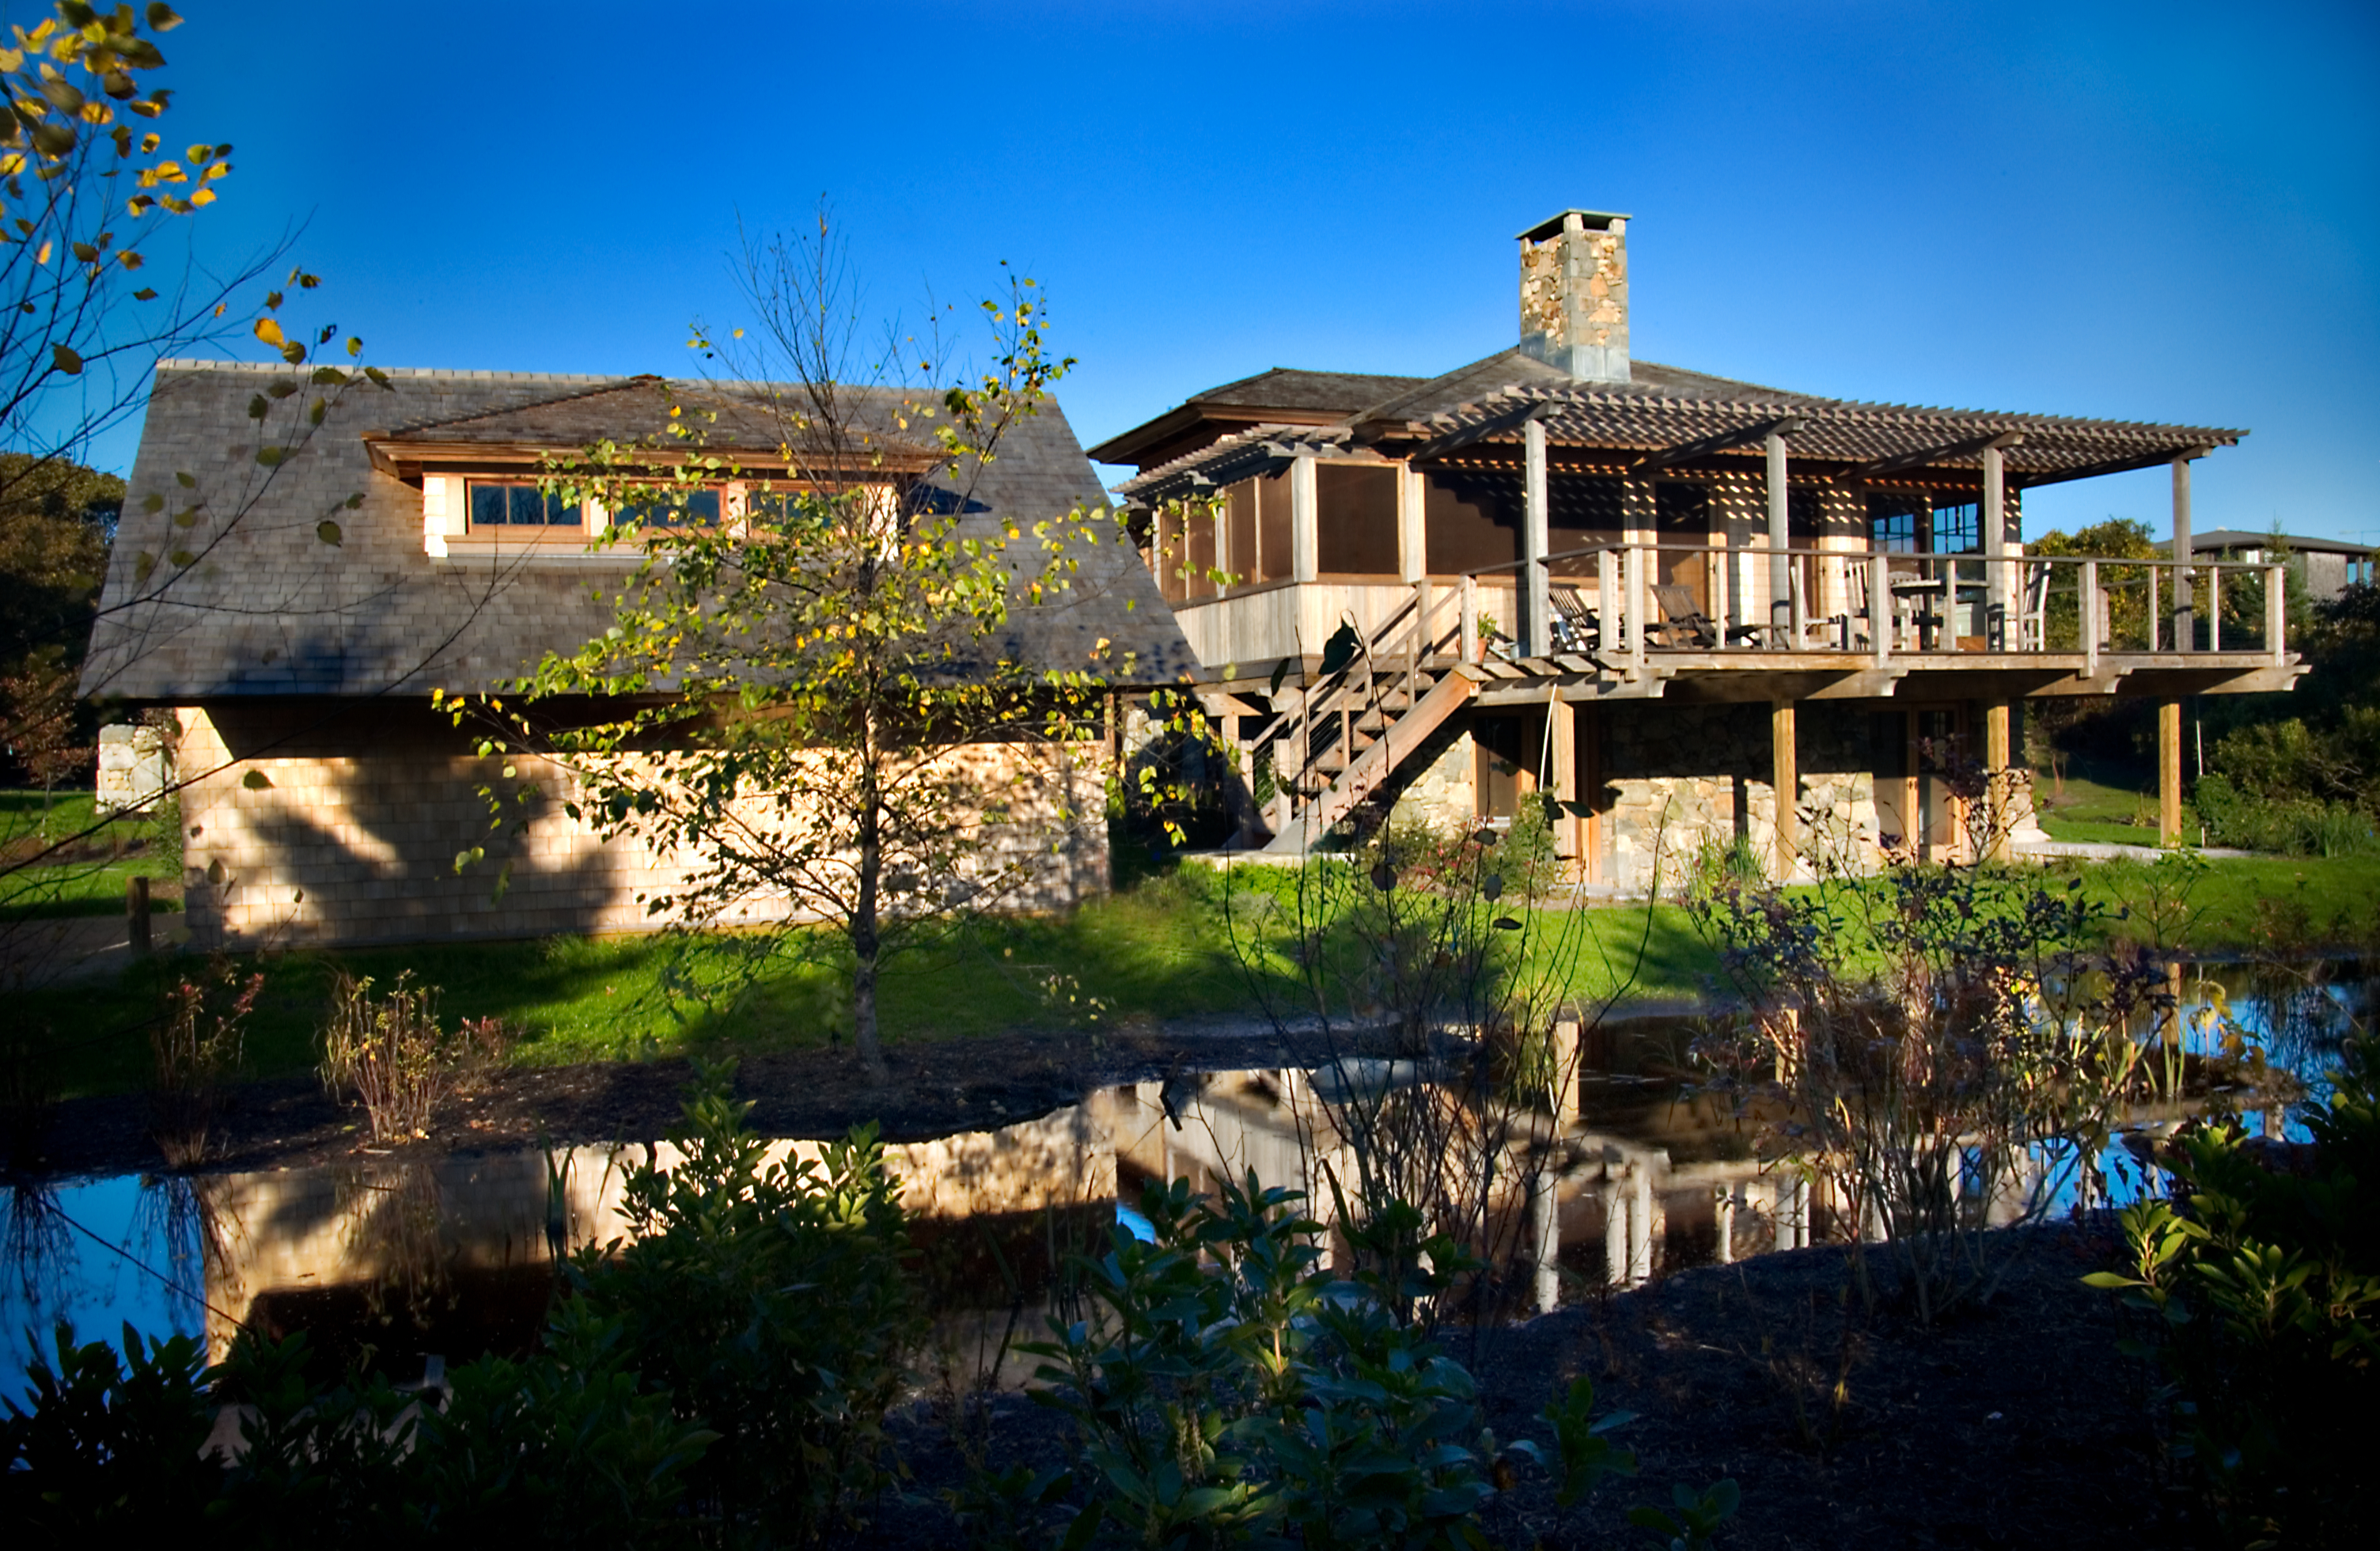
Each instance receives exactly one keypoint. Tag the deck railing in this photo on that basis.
(1881, 604)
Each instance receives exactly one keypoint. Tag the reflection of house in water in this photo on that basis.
(454, 1255)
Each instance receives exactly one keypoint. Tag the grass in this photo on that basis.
(89, 884)
(1159, 949)
(2115, 808)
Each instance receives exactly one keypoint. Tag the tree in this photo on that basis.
(93, 294)
(816, 697)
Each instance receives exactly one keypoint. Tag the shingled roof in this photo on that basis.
(1664, 408)
(271, 609)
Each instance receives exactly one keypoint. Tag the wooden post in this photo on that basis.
(1996, 759)
(1723, 1216)
(2214, 607)
(1879, 608)
(2086, 609)
(1785, 775)
(1780, 565)
(2169, 773)
(1636, 595)
(136, 915)
(1413, 532)
(1996, 587)
(1569, 1063)
(1561, 735)
(1536, 585)
(1305, 534)
(2185, 632)
(2277, 612)
(2151, 572)
(1606, 601)
(1470, 643)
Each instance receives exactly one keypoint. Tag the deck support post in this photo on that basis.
(1536, 585)
(1781, 610)
(2185, 632)
(2169, 773)
(1305, 534)
(1561, 771)
(1997, 777)
(1467, 646)
(1786, 777)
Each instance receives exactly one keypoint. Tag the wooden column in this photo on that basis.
(1996, 773)
(2185, 634)
(1785, 776)
(1562, 772)
(1413, 532)
(1535, 639)
(1780, 565)
(1305, 535)
(1995, 589)
(2169, 773)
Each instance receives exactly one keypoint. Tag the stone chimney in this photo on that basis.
(1575, 294)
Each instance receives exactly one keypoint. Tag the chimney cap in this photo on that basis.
(1593, 220)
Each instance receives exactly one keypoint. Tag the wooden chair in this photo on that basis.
(2032, 618)
(1576, 626)
(1681, 616)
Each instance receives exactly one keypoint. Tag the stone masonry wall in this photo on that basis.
(324, 824)
(1678, 778)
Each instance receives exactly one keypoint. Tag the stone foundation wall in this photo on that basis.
(1681, 778)
(134, 766)
(322, 823)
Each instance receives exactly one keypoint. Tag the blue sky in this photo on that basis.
(2162, 212)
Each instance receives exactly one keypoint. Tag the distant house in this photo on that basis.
(1695, 611)
(326, 800)
(2330, 565)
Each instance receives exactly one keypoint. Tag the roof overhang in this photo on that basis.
(408, 458)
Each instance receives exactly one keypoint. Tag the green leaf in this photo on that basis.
(257, 780)
(2109, 1281)
(162, 17)
(270, 456)
(1340, 649)
(66, 360)
(328, 531)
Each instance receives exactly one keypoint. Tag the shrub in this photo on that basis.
(2263, 1276)
(560, 1449)
(390, 1054)
(766, 1300)
(1939, 1046)
(1229, 1389)
(2293, 825)
(194, 1045)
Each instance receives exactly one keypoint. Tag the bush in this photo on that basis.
(766, 1300)
(1229, 1389)
(390, 1054)
(2293, 826)
(558, 1450)
(2263, 1276)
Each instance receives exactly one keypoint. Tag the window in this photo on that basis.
(697, 507)
(1957, 528)
(1896, 522)
(1355, 511)
(518, 509)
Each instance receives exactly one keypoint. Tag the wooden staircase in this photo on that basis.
(1338, 736)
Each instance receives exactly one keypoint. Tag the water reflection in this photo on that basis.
(389, 1260)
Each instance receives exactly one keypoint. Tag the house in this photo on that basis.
(1660, 596)
(2329, 565)
(299, 639)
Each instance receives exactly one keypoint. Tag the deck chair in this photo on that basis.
(1574, 625)
(2033, 620)
(1682, 622)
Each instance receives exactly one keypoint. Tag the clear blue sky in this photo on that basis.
(2165, 212)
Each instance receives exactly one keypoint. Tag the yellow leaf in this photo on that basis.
(270, 332)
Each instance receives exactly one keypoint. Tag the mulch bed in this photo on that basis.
(2012, 1423)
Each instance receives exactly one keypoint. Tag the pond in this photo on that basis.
(405, 1261)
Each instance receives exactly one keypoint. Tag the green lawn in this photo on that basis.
(2111, 810)
(1159, 949)
(90, 881)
